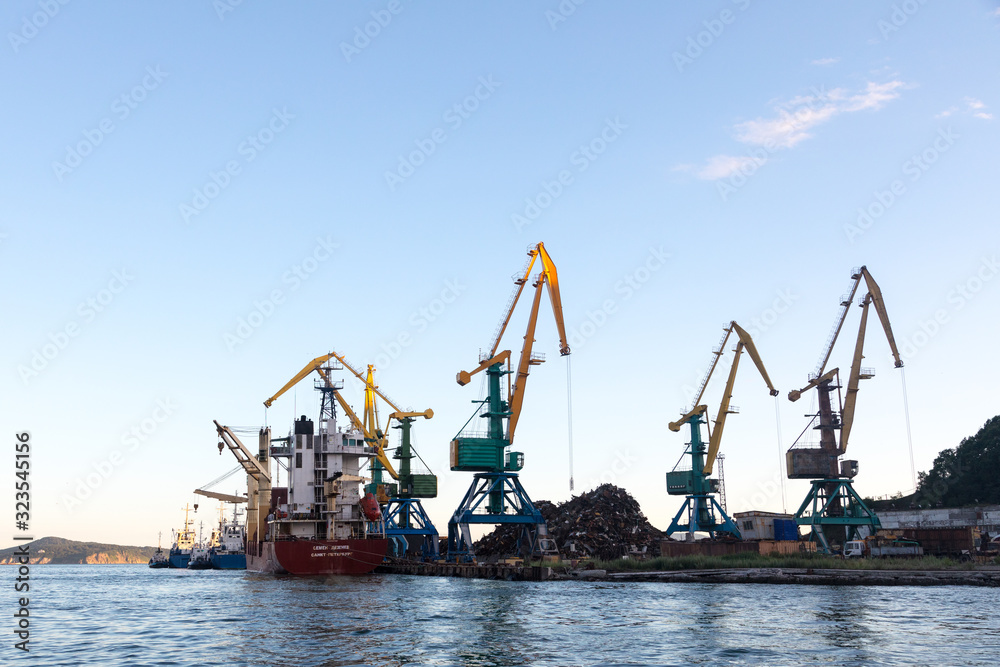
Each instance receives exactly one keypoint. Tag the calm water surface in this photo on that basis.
(131, 615)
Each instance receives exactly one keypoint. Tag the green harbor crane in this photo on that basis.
(701, 512)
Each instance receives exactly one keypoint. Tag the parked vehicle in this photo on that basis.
(894, 549)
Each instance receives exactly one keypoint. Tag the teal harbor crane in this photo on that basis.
(496, 495)
(701, 512)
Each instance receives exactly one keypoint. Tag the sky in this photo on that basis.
(198, 198)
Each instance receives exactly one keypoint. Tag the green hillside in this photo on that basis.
(59, 551)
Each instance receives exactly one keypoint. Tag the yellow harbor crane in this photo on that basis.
(701, 511)
(832, 503)
(496, 487)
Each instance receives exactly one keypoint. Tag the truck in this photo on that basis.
(894, 549)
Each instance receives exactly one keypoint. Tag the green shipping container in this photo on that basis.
(425, 486)
(475, 455)
(680, 483)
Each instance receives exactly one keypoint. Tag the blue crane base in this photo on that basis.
(833, 503)
(409, 529)
(499, 491)
(703, 514)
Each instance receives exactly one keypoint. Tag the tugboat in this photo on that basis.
(230, 553)
(159, 559)
(201, 558)
(180, 552)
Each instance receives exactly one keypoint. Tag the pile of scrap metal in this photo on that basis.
(604, 523)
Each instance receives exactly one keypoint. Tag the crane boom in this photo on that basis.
(317, 366)
(224, 497)
(745, 341)
(875, 294)
(851, 400)
(525, 362)
(548, 276)
(309, 368)
(696, 407)
(246, 459)
(358, 374)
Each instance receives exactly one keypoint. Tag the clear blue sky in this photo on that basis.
(171, 168)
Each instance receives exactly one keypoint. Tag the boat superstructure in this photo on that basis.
(230, 552)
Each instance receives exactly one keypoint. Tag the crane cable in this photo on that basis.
(909, 438)
(569, 417)
(781, 468)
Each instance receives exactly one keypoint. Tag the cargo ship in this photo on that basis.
(320, 523)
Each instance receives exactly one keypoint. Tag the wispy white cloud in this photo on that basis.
(874, 96)
(972, 106)
(795, 120)
(723, 166)
(825, 61)
(787, 129)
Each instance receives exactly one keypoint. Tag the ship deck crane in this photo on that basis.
(832, 503)
(409, 528)
(701, 511)
(496, 495)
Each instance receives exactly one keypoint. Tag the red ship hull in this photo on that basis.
(317, 557)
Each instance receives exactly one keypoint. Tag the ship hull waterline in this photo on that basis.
(317, 557)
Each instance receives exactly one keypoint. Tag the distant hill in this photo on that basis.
(58, 551)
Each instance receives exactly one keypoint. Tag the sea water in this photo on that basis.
(132, 615)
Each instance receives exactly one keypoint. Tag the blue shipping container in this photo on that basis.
(786, 529)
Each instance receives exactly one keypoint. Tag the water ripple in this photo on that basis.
(131, 615)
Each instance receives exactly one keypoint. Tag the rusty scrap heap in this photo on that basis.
(604, 523)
